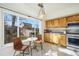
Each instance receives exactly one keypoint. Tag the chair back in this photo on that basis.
(39, 37)
(18, 44)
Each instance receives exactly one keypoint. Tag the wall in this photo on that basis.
(1, 28)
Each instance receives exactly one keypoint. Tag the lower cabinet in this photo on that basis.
(55, 38)
(51, 37)
(47, 37)
(62, 40)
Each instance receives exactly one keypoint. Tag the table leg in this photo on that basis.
(41, 45)
(30, 48)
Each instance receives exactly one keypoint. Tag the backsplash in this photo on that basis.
(56, 30)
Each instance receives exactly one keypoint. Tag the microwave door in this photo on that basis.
(73, 31)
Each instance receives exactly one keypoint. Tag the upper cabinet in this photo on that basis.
(46, 23)
(62, 22)
(49, 24)
(74, 18)
(56, 23)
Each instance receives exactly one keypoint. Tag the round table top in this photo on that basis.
(31, 39)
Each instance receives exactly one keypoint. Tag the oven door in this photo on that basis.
(73, 42)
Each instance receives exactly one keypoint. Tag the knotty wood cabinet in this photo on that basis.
(56, 38)
(47, 37)
(56, 23)
(49, 24)
(62, 40)
(62, 22)
(74, 18)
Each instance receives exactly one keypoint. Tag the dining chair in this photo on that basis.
(18, 46)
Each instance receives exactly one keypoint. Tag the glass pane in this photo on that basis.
(10, 27)
(28, 27)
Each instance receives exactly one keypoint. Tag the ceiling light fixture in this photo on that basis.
(41, 15)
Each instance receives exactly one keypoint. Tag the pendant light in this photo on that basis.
(41, 15)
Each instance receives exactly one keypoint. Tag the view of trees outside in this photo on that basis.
(27, 27)
(10, 27)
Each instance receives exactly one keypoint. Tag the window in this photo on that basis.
(27, 27)
(10, 28)
(30, 27)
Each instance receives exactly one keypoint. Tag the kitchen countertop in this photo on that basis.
(56, 32)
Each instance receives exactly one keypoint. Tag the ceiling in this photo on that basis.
(53, 10)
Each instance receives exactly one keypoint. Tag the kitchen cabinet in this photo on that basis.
(74, 18)
(51, 37)
(49, 24)
(46, 24)
(62, 40)
(56, 23)
(47, 37)
(56, 38)
(62, 22)
(52, 22)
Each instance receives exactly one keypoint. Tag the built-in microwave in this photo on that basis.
(73, 24)
(73, 28)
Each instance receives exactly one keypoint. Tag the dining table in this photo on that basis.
(31, 41)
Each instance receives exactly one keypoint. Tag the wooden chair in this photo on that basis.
(39, 41)
(18, 46)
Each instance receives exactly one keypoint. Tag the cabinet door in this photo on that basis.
(62, 40)
(46, 23)
(77, 18)
(47, 37)
(51, 37)
(62, 22)
(49, 24)
(56, 38)
(52, 23)
(73, 18)
(56, 23)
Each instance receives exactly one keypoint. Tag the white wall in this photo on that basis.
(1, 29)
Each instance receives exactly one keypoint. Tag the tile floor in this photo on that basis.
(53, 50)
(48, 50)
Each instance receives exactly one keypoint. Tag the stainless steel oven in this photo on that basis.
(73, 35)
(73, 40)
